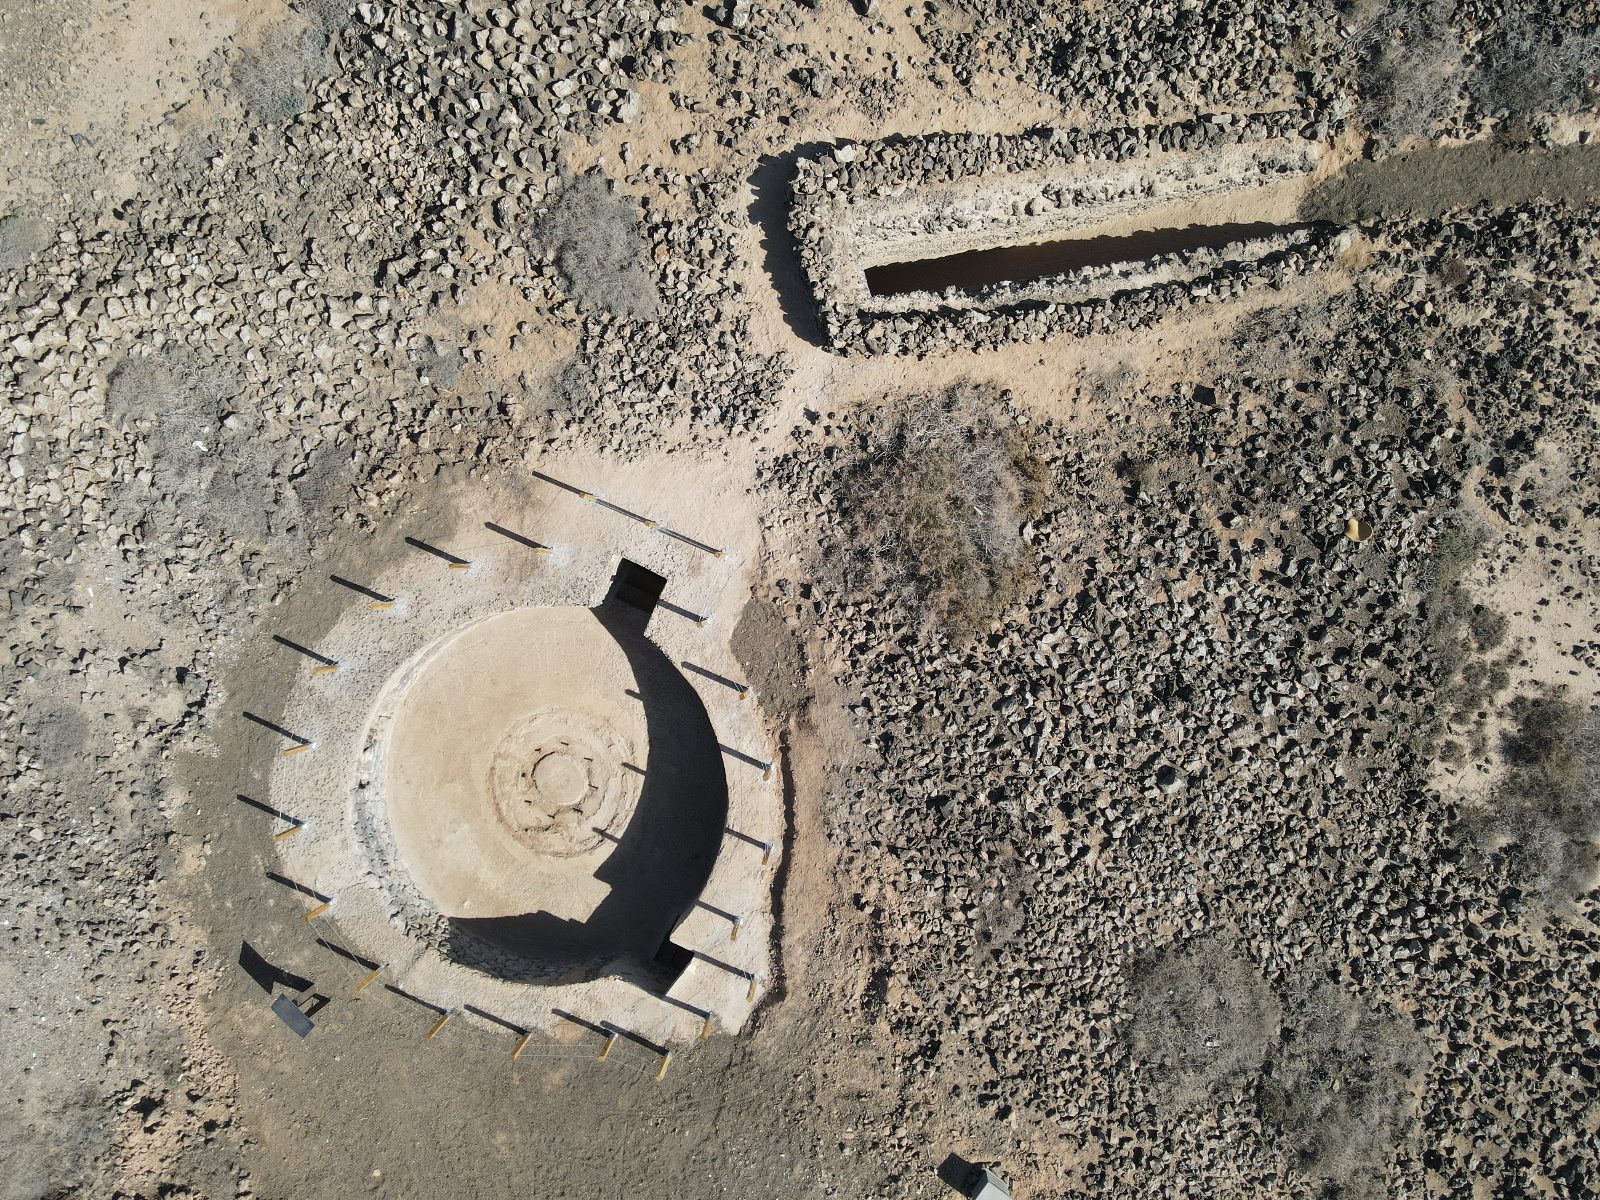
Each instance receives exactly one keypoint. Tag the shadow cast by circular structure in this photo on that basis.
(654, 866)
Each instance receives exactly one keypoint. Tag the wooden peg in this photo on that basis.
(367, 982)
(459, 566)
(705, 1029)
(291, 751)
(381, 605)
(521, 1046)
(324, 669)
(438, 1025)
(666, 1061)
(738, 924)
(611, 1040)
(318, 911)
(750, 992)
(289, 832)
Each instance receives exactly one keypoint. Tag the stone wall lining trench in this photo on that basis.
(859, 208)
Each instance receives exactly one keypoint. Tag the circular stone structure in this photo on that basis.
(551, 787)
(508, 802)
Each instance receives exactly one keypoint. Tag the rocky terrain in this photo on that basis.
(1151, 834)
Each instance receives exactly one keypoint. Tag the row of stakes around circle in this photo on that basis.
(380, 603)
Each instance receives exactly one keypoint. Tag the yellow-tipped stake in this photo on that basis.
(705, 1029)
(750, 993)
(459, 566)
(766, 854)
(381, 605)
(368, 981)
(318, 911)
(438, 1025)
(611, 1040)
(291, 751)
(324, 669)
(521, 1046)
(289, 832)
(666, 1061)
(542, 551)
(583, 495)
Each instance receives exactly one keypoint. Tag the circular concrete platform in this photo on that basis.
(530, 675)
(553, 788)
(511, 761)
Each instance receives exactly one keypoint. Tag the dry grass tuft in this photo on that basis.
(1205, 1020)
(599, 250)
(933, 507)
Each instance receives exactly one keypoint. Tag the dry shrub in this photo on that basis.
(20, 239)
(273, 82)
(1533, 68)
(1461, 633)
(1412, 67)
(1342, 1090)
(327, 15)
(1336, 1078)
(146, 388)
(216, 470)
(1204, 1020)
(1454, 552)
(1543, 825)
(594, 233)
(933, 507)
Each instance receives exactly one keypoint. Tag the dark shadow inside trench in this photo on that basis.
(660, 862)
(1021, 264)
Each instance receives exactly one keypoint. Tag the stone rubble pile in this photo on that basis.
(1218, 713)
(1154, 58)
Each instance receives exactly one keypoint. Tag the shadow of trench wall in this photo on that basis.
(772, 186)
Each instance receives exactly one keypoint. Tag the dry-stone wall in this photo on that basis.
(831, 188)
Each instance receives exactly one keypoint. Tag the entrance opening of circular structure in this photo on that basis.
(555, 791)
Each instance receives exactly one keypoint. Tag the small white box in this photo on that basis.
(989, 1186)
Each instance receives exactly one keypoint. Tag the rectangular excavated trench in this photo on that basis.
(973, 269)
(930, 243)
